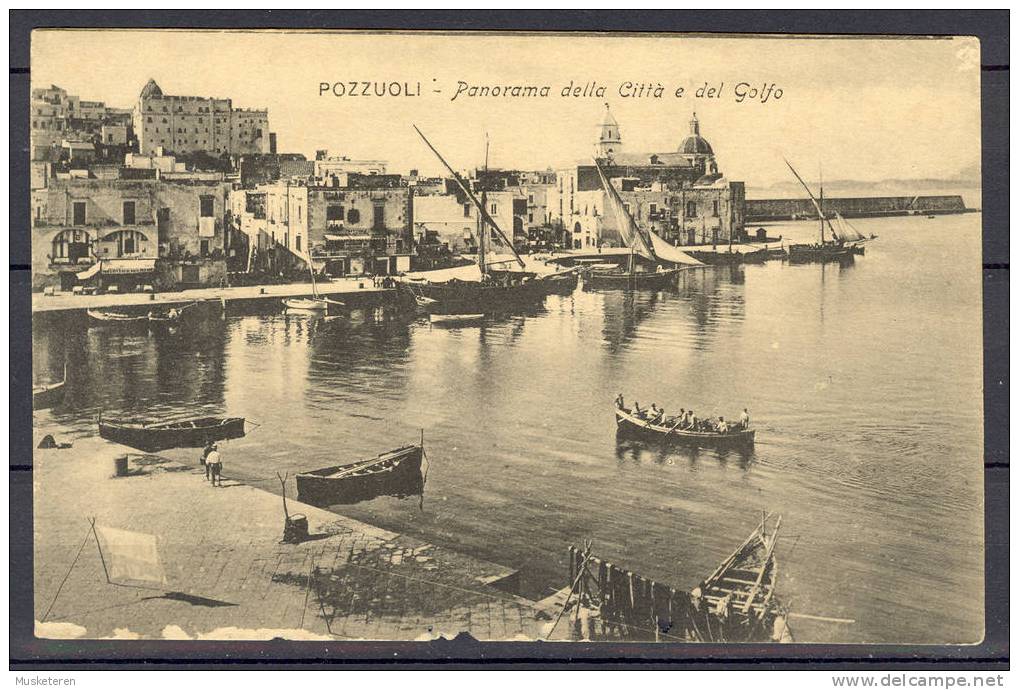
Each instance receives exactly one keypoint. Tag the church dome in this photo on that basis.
(695, 144)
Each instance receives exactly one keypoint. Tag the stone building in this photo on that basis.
(355, 225)
(56, 115)
(187, 124)
(131, 232)
(451, 220)
(679, 194)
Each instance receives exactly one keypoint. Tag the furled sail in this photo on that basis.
(634, 237)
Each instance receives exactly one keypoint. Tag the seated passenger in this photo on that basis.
(723, 428)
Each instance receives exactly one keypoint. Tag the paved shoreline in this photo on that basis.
(228, 575)
(64, 301)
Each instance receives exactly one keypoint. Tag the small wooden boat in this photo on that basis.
(156, 436)
(168, 318)
(452, 319)
(820, 253)
(629, 424)
(739, 595)
(111, 317)
(49, 395)
(311, 303)
(395, 473)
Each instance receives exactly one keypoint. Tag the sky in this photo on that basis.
(857, 108)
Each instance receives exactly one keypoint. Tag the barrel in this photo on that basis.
(121, 465)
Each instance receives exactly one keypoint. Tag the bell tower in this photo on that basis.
(610, 141)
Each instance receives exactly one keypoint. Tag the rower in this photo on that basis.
(637, 412)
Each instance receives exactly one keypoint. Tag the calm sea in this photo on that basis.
(864, 383)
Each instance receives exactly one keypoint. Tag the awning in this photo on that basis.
(119, 267)
(90, 271)
(344, 238)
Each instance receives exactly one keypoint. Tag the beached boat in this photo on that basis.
(629, 424)
(50, 394)
(739, 596)
(395, 473)
(151, 437)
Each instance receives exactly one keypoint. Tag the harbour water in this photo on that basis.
(864, 383)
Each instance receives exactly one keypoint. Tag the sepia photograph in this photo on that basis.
(570, 337)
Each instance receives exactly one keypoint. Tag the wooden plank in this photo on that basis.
(767, 557)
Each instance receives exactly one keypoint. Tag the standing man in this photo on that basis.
(214, 461)
(744, 419)
(209, 445)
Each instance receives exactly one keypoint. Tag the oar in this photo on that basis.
(823, 619)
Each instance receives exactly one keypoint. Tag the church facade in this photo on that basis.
(679, 194)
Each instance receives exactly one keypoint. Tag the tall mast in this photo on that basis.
(482, 230)
(820, 177)
(813, 200)
(470, 195)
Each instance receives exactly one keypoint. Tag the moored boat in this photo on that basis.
(156, 436)
(815, 253)
(630, 424)
(112, 317)
(394, 473)
(635, 280)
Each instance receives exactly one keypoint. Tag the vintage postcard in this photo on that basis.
(399, 336)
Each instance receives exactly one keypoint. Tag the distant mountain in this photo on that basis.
(967, 179)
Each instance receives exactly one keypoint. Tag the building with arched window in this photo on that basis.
(169, 233)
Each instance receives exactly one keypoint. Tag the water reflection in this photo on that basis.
(636, 450)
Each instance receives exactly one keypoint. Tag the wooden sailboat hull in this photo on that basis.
(191, 433)
(104, 317)
(812, 253)
(629, 425)
(396, 473)
(475, 297)
(639, 280)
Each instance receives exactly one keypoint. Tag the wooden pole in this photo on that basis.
(283, 483)
(100, 547)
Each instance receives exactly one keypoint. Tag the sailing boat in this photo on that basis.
(644, 274)
(852, 237)
(835, 250)
(315, 303)
(496, 289)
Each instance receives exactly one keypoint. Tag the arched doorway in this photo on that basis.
(70, 246)
(125, 243)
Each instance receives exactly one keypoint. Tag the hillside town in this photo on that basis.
(190, 191)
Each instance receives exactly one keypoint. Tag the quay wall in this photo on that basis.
(758, 210)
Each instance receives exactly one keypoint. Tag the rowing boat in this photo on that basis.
(740, 594)
(107, 316)
(630, 424)
(311, 303)
(187, 433)
(394, 473)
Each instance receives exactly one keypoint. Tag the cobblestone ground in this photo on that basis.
(228, 575)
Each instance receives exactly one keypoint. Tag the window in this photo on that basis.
(714, 208)
(653, 209)
(207, 204)
(379, 217)
(467, 210)
(128, 213)
(493, 209)
(334, 212)
(297, 242)
(626, 207)
(691, 209)
(79, 213)
(353, 216)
